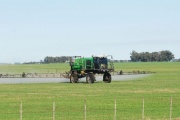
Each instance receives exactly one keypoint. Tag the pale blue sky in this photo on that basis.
(33, 29)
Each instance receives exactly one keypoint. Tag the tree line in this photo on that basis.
(61, 59)
(160, 56)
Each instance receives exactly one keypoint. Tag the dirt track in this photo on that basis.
(64, 80)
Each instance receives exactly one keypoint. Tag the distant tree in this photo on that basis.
(165, 55)
(155, 56)
(55, 59)
(134, 56)
(178, 60)
(41, 61)
(145, 56)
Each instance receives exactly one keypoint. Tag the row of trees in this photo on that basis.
(160, 56)
(165, 55)
(61, 59)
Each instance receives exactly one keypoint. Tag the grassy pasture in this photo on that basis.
(69, 98)
(34, 68)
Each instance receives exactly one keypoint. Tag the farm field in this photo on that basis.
(33, 68)
(37, 99)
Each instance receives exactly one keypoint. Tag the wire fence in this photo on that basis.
(110, 109)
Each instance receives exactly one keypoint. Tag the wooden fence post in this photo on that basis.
(54, 110)
(115, 109)
(85, 109)
(171, 108)
(143, 110)
(21, 110)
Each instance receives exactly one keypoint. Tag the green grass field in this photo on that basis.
(34, 68)
(37, 99)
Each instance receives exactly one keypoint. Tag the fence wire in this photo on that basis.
(96, 109)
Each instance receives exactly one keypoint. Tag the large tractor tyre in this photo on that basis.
(107, 77)
(90, 78)
(73, 78)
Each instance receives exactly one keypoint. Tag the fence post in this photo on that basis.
(85, 109)
(143, 110)
(115, 109)
(54, 110)
(21, 110)
(171, 108)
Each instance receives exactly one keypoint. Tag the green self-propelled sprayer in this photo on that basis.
(87, 67)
